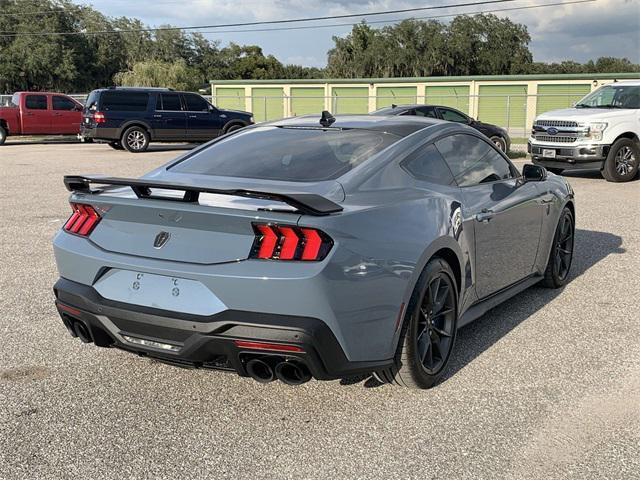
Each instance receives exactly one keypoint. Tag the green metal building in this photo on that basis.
(511, 101)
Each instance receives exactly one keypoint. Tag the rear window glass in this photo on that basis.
(124, 101)
(287, 154)
(91, 103)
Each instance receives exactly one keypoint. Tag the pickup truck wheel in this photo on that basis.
(3, 135)
(428, 331)
(135, 139)
(116, 145)
(499, 142)
(622, 161)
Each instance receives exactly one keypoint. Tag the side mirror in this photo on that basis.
(534, 173)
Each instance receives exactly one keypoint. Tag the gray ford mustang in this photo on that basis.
(311, 247)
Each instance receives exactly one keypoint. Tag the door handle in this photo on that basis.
(193, 116)
(485, 215)
(157, 116)
(546, 201)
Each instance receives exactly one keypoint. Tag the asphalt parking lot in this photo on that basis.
(544, 386)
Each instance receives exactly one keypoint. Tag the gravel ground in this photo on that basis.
(544, 386)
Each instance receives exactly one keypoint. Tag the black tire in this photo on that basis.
(499, 142)
(428, 331)
(622, 161)
(135, 139)
(556, 274)
(557, 171)
(233, 128)
(116, 145)
(3, 135)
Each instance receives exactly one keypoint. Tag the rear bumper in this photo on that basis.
(590, 156)
(99, 133)
(206, 341)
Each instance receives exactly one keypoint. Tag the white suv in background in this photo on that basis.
(602, 131)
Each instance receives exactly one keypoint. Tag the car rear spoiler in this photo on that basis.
(307, 203)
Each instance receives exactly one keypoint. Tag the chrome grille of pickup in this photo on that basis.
(555, 138)
(556, 123)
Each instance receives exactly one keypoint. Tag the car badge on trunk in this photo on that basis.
(161, 239)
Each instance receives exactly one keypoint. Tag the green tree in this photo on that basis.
(156, 73)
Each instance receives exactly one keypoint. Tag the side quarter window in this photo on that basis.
(472, 160)
(427, 164)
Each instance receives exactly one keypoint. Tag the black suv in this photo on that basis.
(497, 135)
(130, 118)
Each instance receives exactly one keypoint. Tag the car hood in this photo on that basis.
(237, 112)
(583, 114)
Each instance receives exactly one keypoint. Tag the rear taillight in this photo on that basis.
(83, 219)
(98, 117)
(289, 242)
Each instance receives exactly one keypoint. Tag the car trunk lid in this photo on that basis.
(153, 219)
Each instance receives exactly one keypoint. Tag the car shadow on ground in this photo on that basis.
(589, 174)
(472, 340)
(590, 248)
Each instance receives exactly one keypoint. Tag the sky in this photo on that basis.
(576, 32)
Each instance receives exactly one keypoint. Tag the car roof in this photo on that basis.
(401, 126)
(407, 106)
(134, 89)
(625, 83)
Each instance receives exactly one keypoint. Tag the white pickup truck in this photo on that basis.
(602, 131)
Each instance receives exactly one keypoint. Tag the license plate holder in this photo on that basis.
(159, 291)
(549, 152)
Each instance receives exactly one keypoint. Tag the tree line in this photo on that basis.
(468, 45)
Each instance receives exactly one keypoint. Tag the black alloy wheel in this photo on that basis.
(435, 323)
(429, 330)
(561, 256)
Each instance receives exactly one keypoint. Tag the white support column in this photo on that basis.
(248, 101)
(327, 98)
(474, 100)
(532, 106)
(286, 90)
(372, 105)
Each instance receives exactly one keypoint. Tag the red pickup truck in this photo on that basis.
(40, 113)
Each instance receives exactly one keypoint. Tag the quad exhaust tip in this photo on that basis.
(82, 332)
(291, 372)
(260, 371)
